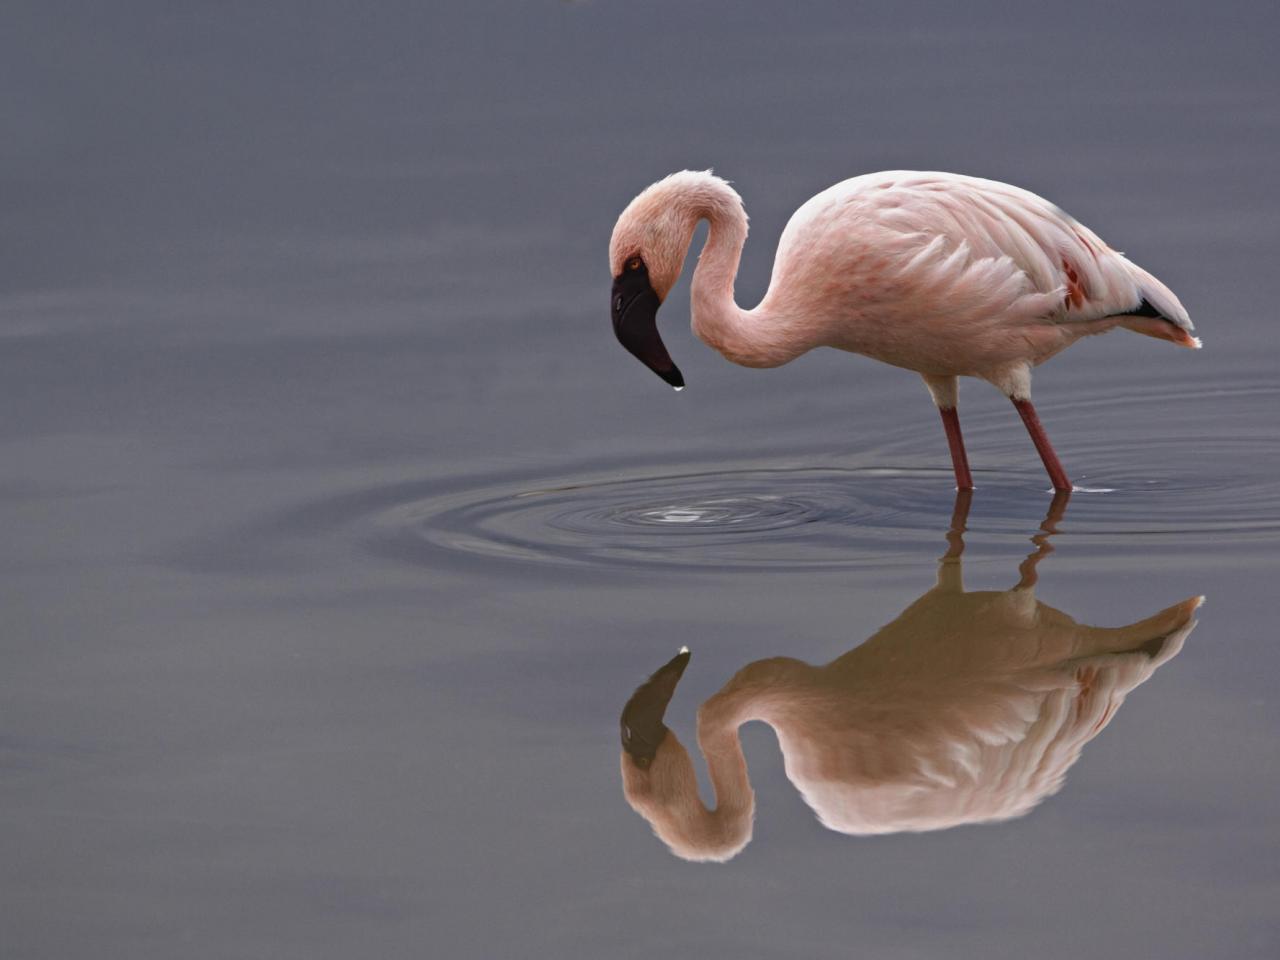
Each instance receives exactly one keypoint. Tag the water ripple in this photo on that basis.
(1153, 477)
(797, 517)
(758, 516)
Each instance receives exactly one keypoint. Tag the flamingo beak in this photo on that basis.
(642, 728)
(635, 323)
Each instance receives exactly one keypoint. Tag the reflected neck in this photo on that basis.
(691, 829)
(728, 767)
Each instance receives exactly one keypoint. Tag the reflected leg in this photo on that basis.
(959, 519)
(950, 575)
(1048, 527)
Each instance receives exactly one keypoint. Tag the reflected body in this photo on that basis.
(970, 707)
(938, 273)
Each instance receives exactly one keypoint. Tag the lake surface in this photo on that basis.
(337, 529)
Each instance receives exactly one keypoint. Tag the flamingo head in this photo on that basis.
(646, 255)
(658, 779)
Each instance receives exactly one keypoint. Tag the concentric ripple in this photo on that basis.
(755, 516)
(1151, 468)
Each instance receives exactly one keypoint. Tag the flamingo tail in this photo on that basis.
(1158, 313)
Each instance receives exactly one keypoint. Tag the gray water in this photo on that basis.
(337, 529)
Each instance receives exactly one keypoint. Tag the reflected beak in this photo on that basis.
(642, 728)
(635, 323)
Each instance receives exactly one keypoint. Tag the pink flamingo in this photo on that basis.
(938, 273)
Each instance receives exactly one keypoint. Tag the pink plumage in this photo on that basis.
(939, 273)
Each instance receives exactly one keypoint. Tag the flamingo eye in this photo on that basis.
(635, 263)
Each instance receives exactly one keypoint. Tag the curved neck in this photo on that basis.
(712, 298)
(717, 319)
(746, 337)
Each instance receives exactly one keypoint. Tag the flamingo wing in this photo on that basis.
(984, 251)
(1056, 252)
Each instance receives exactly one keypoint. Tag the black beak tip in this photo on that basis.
(681, 660)
(642, 727)
(673, 377)
(662, 684)
(635, 312)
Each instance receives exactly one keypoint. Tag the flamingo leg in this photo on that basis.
(959, 459)
(1041, 439)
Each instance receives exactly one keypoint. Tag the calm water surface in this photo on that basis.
(337, 530)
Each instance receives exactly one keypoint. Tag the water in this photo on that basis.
(337, 530)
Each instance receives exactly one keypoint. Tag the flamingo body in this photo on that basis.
(942, 274)
(950, 275)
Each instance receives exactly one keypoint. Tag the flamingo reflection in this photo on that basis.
(970, 707)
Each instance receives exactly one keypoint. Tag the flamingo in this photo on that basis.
(970, 707)
(943, 274)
